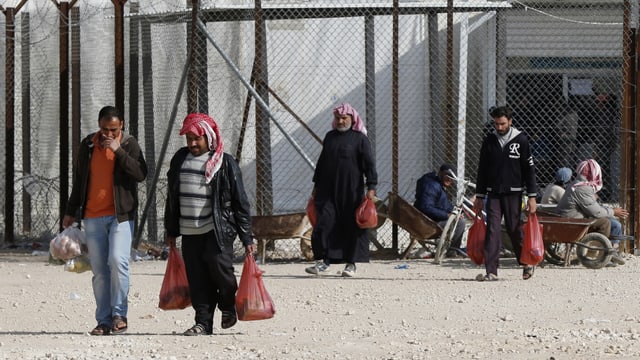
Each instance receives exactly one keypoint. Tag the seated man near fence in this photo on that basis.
(432, 200)
(580, 201)
(553, 192)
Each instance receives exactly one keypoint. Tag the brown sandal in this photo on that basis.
(527, 272)
(119, 324)
(195, 330)
(100, 330)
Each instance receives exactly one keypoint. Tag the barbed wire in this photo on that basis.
(312, 64)
(563, 18)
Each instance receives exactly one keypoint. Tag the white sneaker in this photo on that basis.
(487, 277)
(318, 269)
(349, 270)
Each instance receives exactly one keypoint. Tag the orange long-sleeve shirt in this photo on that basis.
(100, 194)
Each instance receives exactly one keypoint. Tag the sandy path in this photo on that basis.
(422, 312)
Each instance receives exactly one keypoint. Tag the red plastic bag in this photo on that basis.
(174, 293)
(366, 214)
(532, 245)
(252, 300)
(475, 241)
(311, 212)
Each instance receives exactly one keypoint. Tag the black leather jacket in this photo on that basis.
(130, 169)
(231, 209)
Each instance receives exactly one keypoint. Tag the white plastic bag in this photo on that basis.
(67, 244)
(78, 264)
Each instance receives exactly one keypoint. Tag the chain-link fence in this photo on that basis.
(423, 75)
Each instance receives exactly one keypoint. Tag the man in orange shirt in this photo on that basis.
(104, 196)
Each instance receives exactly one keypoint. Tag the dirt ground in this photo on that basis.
(421, 311)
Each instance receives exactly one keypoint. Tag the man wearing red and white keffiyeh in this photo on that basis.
(203, 125)
(207, 205)
(580, 201)
(345, 173)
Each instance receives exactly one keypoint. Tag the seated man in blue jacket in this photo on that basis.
(432, 199)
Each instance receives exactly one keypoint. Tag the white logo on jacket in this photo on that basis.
(514, 151)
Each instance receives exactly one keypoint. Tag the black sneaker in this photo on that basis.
(349, 270)
(451, 254)
(229, 318)
(617, 259)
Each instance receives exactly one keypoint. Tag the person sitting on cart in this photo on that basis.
(432, 200)
(554, 191)
(580, 200)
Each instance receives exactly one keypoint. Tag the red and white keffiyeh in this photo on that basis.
(590, 171)
(202, 124)
(356, 121)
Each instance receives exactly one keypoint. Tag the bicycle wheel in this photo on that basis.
(445, 239)
(555, 253)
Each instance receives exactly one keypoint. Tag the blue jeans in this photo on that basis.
(616, 229)
(109, 244)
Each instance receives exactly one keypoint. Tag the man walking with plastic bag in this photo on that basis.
(104, 196)
(339, 181)
(506, 171)
(207, 206)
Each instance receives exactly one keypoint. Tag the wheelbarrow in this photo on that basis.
(269, 228)
(420, 227)
(561, 235)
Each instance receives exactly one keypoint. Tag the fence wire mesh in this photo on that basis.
(423, 76)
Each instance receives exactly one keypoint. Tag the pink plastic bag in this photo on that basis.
(366, 214)
(475, 241)
(174, 292)
(253, 302)
(532, 244)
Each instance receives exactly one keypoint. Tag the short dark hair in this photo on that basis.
(500, 111)
(446, 168)
(109, 112)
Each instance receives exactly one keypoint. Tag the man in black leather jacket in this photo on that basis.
(207, 206)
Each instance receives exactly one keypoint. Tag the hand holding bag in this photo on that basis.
(174, 293)
(532, 245)
(475, 241)
(366, 214)
(252, 300)
(67, 244)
